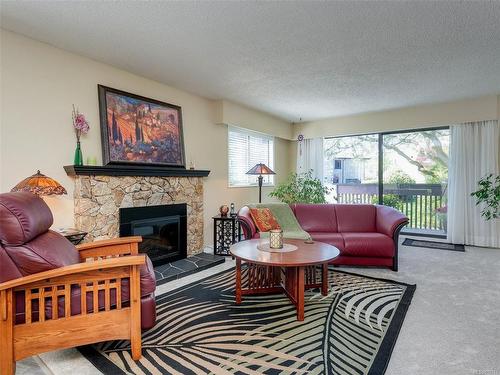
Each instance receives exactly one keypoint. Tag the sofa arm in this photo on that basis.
(248, 226)
(389, 220)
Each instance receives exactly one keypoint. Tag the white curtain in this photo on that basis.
(474, 152)
(310, 156)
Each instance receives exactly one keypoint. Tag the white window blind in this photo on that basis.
(245, 149)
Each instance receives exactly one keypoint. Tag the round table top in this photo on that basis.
(306, 254)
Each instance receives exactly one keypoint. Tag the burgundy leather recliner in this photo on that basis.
(365, 234)
(27, 246)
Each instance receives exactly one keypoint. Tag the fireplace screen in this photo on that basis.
(162, 228)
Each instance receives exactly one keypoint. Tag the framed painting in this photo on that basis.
(139, 130)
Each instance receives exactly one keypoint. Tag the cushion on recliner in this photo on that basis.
(23, 216)
(148, 286)
(47, 251)
(334, 239)
(8, 269)
(147, 276)
(368, 245)
(356, 218)
(148, 312)
(316, 217)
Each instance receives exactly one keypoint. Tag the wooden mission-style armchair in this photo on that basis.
(55, 296)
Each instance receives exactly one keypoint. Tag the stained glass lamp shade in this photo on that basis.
(40, 184)
(260, 169)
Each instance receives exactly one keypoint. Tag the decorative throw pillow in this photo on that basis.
(264, 219)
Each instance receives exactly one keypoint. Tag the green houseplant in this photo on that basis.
(301, 188)
(489, 195)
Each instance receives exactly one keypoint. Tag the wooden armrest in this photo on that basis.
(134, 260)
(113, 247)
(111, 242)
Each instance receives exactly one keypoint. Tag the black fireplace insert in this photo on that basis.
(163, 229)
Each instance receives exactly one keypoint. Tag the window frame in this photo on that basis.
(250, 133)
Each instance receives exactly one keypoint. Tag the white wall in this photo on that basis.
(439, 114)
(39, 84)
(239, 115)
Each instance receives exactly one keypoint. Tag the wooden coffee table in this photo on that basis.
(289, 272)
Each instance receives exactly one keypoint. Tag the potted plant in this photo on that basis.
(489, 196)
(301, 188)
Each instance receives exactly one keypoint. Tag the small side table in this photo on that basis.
(227, 231)
(75, 236)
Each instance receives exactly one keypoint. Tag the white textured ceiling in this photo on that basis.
(296, 60)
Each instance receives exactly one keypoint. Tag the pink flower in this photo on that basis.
(81, 123)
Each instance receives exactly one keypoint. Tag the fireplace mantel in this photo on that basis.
(132, 170)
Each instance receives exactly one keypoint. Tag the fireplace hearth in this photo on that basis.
(163, 229)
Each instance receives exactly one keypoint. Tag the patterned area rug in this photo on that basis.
(200, 330)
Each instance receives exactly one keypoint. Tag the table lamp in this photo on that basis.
(39, 184)
(260, 169)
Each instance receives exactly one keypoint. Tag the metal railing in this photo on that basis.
(417, 201)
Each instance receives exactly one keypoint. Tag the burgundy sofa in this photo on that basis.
(365, 234)
(27, 246)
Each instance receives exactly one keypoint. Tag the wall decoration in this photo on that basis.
(300, 138)
(139, 130)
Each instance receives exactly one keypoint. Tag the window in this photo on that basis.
(407, 170)
(245, 149)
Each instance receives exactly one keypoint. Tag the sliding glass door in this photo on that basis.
(351, 168)
(404, 170)
(415, 177)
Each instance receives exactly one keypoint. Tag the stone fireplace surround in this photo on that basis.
(98, 198)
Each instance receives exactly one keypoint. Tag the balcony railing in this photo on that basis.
(417, 201)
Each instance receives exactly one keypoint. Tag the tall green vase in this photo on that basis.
(78, 155)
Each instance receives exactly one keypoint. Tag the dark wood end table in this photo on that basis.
(227, 231)
(283, 272)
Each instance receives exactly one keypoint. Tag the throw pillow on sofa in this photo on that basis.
(286, 220)
(264, 219)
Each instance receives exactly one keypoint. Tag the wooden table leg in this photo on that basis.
(324, 279)
(238, 281)
(300, 293)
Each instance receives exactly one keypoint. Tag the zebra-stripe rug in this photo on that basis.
(201, 330)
